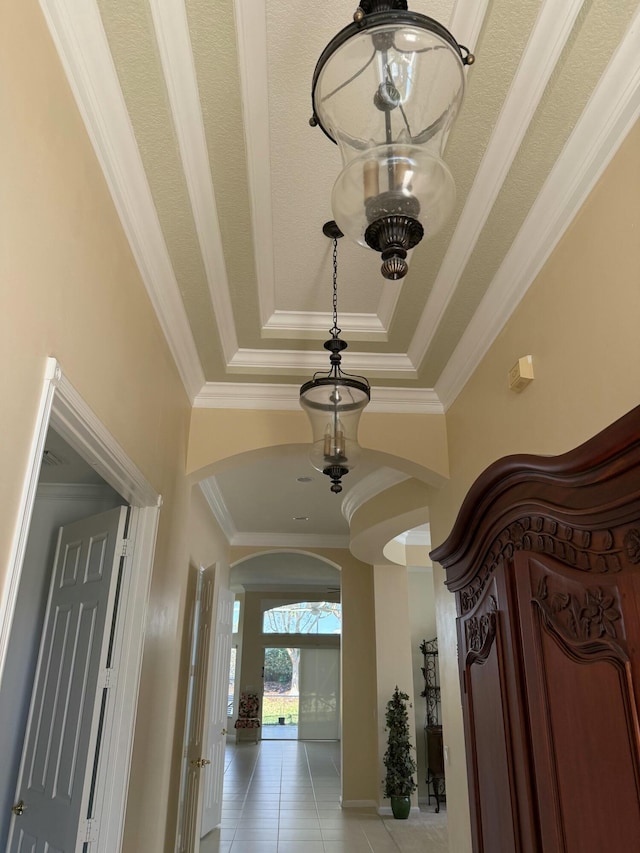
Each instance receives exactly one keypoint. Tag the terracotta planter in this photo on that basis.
(401, 807)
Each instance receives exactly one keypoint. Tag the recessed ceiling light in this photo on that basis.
(305, 479)
(301, 518)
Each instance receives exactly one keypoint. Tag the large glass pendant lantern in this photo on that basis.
(387, 89)
(335, 400)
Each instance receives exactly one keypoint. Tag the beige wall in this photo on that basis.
(393, 652)
(218, 436)
(69, 288)
(579, 320)
(422, 623)
(207, 546)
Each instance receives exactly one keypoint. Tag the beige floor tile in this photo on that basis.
(254, 847)
(284, 797)
(294, 847)
(299, 835)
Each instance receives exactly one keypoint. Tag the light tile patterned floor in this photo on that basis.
(283, 797)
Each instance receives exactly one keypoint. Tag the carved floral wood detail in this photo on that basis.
(591, 618)
(632, 545)
(480, 632)
(600, 551)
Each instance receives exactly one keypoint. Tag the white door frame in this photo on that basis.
(62, 408)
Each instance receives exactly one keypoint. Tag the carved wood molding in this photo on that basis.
(480, 632)
(600, 551)
(592, 618)
(584, 628)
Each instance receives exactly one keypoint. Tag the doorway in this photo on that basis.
(301, 699)
(281, 696)
(68, 491)
(62, 409)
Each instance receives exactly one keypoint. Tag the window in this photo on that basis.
(303, 617)
(232, 682)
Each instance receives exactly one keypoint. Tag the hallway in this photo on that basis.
(283, 797)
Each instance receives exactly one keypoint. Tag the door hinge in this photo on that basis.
(89, 833)
(124, 552)
(107, 679)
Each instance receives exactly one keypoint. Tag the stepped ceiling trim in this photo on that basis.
(612, 110)
(77, 31)
(541, 54)
(227, 395)
(172, 34)
(79, 36)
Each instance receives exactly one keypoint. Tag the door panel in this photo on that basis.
(195, 712)
(62, 727)
(488, 727)
(578, 674)
(217, 713)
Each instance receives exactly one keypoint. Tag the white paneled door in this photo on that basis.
(217, 713)
(196, 710)
(57, 805)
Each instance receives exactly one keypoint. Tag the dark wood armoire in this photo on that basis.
(544, 561)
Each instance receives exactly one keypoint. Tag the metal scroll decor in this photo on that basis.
(431, 692)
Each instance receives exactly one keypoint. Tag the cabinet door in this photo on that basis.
(582, 710)
(498, 760)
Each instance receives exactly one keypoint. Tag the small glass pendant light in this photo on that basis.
(387, 89)
(335, 401)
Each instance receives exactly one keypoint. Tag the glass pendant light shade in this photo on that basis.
(416, 183)
(335, 400)
(387, 89)
(334, 406)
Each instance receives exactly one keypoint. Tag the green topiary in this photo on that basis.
(398, 760)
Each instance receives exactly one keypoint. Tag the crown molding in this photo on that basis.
(613, 109)
(77, 32)
(251, 35)
(293, 362)
(315, 325)
(551, 31)
(218, 507)
(291, 540)
(239, 395)
(408, 401)
(174, 45)
(466, 21)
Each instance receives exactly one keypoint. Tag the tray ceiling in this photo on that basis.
(199, 115)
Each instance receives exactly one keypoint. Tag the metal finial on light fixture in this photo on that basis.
(387, 89)
(334, 401)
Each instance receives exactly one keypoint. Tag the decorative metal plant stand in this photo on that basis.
(433, 723)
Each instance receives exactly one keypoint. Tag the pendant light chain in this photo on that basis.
(334, 400)
(335, 331)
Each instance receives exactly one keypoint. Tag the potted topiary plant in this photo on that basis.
(399, 783)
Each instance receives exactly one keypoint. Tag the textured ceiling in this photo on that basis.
(199, 115)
